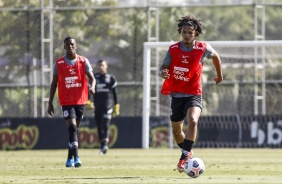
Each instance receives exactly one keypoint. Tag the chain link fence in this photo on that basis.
(33, 33)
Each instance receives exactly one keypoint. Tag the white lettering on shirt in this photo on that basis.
(179, 73)
(72, 83)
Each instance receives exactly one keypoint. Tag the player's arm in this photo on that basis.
(115, 95)
(91, 78)
(53, 88)
(114, 90)
(164, 69)
(217, 64)
(92, 82)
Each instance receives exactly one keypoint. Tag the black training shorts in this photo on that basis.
(73, 111)
(180, 106)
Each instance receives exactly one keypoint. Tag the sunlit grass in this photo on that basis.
(141, 166)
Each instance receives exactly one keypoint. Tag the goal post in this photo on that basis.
(147, 89)
(257, 46)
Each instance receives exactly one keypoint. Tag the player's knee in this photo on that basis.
(193, 123)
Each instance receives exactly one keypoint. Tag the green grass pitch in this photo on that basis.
(137, 166)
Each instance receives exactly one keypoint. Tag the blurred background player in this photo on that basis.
(103, 104)
(69, 74)
(182, 71)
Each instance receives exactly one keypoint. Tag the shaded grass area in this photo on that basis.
(134, 166)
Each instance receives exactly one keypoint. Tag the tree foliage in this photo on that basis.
(104, 31)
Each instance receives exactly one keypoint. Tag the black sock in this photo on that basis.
(103, 143)
(73, 143)
(187, 147)
(69, 153)
(180, 145)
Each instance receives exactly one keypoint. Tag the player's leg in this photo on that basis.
(73, 141)
(106, 131)
(178, 112)
(193, 115)
(178, 134)
(177, 129)
(69, 116)
(194, 106)
(177, 116)
(99, 124)
(79, 116)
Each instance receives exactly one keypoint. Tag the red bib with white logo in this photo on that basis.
(185, 70)
(72, 82)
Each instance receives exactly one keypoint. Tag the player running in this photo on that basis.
(182, 70)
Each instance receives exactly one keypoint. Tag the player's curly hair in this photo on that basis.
(192, 21)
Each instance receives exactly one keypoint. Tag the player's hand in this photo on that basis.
(116, 110)
(91, 90)
(50, 109)
(218, 80)
(164, 73)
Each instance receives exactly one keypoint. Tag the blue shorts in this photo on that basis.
(180, 106)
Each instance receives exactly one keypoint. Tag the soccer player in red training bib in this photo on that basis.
(182, 70)
(70, 73)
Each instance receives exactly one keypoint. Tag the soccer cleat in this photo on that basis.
(181, 163)
(77, 162)
(69, 163)
(104, 150)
